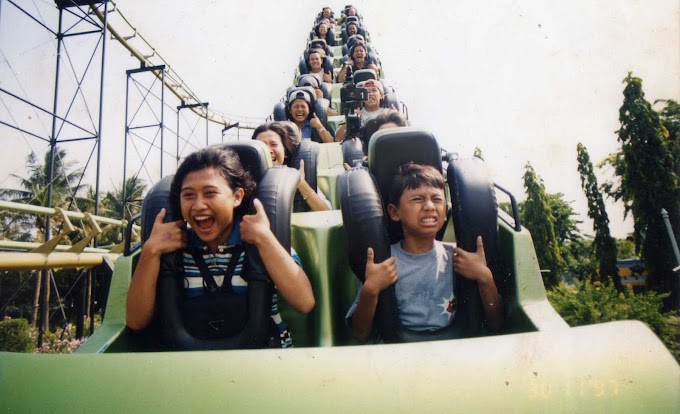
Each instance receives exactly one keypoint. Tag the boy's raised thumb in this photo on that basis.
(369, 255)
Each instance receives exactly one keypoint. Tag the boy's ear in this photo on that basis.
(238, 197)
(392, 210)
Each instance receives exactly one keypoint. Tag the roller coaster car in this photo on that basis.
(536, 364)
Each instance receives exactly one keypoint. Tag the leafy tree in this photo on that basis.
(537, 216)
(625, 248)
(670, 118)
(566, 226)
(648, 182)
(579, 258)
(605, 248)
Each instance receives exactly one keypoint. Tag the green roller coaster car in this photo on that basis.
(536, 364)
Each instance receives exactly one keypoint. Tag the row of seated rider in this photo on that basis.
(377, 101)
(358, 58)
(286, 146)
(349, 14)
(359, 55)
(323, 30)
(328, 14)
(308, 112)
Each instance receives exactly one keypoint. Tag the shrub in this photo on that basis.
(15, 336)
(585, 303)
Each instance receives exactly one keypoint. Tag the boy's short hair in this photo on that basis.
(411, 175)
(222, 159)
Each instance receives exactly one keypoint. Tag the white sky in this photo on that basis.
(524, 81)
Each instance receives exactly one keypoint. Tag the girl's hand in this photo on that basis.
(166, 237)
(302, 170)
(254, 227)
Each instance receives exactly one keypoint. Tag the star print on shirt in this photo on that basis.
(448, 306)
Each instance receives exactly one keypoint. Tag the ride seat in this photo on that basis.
(362, 192)
(307, 151)
(362, 75)
(275, 189)
(311, 80)
(320, 106)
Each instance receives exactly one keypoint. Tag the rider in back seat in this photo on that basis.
(420, 267)
(283, 141)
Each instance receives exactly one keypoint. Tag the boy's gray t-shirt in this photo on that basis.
(424, 288)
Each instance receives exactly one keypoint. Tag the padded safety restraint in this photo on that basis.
(307, 151)
(365, 221)
(275, 189)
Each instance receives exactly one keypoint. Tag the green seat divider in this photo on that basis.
(336, 102)
(327, 182)
(334, 123)
(330, 156)
(329, 166)
(337, 61)
(319, 239)
(337, 52)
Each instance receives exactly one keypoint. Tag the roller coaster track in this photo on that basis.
(173, 81)
(54, 253)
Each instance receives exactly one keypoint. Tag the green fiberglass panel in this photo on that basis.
(615, 367)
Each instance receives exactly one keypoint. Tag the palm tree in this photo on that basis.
(112, 205)
(34, 190)
(134, 191)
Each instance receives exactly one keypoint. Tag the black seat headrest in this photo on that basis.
(309, 80)
(389, 149)
(293, 93)
(363, 75)
(308, 151)
(254, 156)
(318, 43)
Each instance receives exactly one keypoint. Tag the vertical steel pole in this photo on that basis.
(99, 150)
(125, 142)
(671, 236)
(44, 274)
(162, 124)
(177, 133)
(206, 123)
(101, 109)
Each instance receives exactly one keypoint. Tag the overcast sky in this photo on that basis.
(523, 81)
